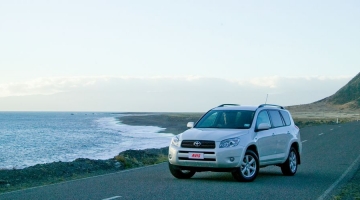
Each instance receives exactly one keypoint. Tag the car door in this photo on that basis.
(280, 133)
(285, 135)
(265, 139)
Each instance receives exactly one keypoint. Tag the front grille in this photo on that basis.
(204, 144)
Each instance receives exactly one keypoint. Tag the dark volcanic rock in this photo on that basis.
(43, 174)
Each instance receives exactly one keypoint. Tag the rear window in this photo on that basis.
(235, 119)
(286, 117)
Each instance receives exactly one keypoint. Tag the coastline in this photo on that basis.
(174, 123)
(54, 172)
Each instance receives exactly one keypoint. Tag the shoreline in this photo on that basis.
(121, 142)
(174, 123)
(55, 172)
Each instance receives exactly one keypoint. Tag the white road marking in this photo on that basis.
(114, 197)
(321, 134)
(304, 141)
(336, 183)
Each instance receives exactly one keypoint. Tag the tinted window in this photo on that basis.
(276, 118)
(286, 117)
(263, 117)
(241, 119)
(210, 120)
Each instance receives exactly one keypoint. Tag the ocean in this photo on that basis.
(30, 138)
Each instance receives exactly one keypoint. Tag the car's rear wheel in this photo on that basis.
(181, 174)
(248, 169)
(289, 168)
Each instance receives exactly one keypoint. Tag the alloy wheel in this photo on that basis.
(248, 166)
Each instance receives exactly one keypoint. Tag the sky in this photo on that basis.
(182, 56)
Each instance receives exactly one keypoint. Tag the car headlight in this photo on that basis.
(175, 141)
(231, 142)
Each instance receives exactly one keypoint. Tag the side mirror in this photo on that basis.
(190, 125)
(263, 126)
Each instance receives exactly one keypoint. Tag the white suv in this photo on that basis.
(237, 139)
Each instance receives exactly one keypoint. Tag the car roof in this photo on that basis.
(233, 107)
(246, 107)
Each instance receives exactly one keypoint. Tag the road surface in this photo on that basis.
(330, 157)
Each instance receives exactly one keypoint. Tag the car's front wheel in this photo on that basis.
(248, 169)
(181, 174)
(289, 168)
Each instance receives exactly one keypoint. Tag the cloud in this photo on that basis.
(192, 93)
(48, 86)
(270, 82)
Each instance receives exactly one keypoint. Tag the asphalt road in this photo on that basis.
(330, 157)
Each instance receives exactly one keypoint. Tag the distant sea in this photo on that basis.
(30, 138)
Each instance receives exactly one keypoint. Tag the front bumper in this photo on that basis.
(218, 158)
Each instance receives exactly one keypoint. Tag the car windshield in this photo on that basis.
(234, 119)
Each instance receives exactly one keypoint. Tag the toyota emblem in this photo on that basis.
(197, 143)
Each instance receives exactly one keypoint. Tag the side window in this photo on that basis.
(262, 117)
(286, 117)
(276, 118)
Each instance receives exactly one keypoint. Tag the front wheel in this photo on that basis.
(289, 168)
(248, 169)
(181, 174)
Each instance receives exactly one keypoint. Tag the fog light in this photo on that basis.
(170, 156)
(232, 159)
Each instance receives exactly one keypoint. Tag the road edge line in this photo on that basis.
(336, 183)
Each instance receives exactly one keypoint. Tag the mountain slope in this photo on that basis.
(348, 96)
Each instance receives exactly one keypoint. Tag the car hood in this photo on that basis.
(214, 134)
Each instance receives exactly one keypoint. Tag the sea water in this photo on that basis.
(30, 138)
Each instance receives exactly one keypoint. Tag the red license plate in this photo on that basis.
(195, 155)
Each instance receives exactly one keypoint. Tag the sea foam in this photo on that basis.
(32, 138)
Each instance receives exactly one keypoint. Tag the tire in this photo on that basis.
(289, 168)
(181, 174)
(248, 169)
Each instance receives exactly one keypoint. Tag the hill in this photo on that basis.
(346, 99)
(348, 96)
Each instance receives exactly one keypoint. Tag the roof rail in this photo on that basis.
(229, 104)
(273, 105)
